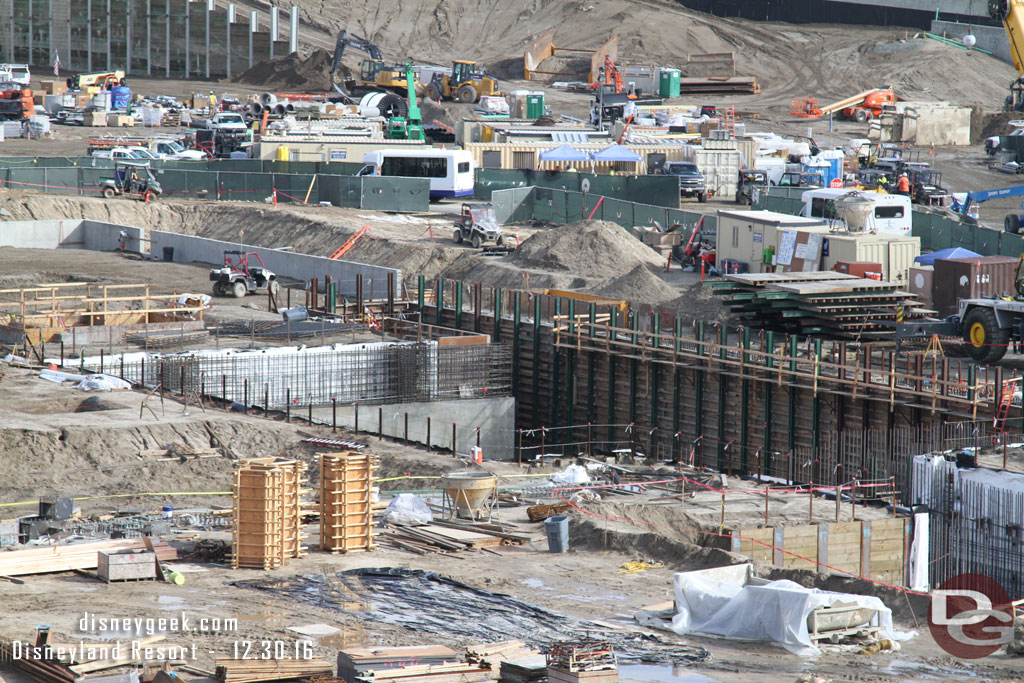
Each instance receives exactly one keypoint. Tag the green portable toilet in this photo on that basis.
(668, 82)
(535, 105)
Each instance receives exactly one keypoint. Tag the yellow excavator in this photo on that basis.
(95, 82)
(1011, 14)
(374, 74)
(466, 83)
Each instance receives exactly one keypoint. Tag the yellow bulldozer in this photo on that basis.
(465, 83)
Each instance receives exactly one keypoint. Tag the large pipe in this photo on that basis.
(280, 109)
(268, 98)
(256, 108)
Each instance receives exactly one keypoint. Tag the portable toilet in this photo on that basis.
(835, 159)
(669, 82)
(822, 166)
(535, 105)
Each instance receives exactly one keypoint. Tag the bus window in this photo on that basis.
(463, 167)
(410, 167)
(888, 212)
(823, 208)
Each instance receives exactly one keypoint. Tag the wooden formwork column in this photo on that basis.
(346, 510)
(265, 520)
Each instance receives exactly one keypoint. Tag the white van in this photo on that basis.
(891, 214)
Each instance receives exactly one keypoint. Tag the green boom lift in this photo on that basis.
(410, 127)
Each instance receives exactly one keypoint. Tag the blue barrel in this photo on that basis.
(558, 533)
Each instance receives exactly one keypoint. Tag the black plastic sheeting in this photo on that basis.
(426, 602)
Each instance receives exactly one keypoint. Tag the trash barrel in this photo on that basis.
(558, 533)
(169, 254)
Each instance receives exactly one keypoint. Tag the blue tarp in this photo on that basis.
(952, 252)
(564, 153)
(617, 153)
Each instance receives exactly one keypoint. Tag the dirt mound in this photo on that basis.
(597, 249)
(292, 72)
(997, 123)
(638, 286)
(700, 302)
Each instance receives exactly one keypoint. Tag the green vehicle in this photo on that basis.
(132, 179)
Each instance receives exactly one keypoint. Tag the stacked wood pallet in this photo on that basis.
(538, 513)
(65, 558)
(346, 511)
(450, 536)
(266, 516)
(825, 303)
(253, 670)
(363, 661)
(459, 672)
(491, 655)
(585, 660)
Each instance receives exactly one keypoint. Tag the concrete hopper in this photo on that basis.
(470, 493)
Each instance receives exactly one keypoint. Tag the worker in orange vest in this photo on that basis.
(903, 185)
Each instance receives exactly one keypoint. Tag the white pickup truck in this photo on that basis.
(227, 122)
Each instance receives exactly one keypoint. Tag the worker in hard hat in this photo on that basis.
(903, 185)
(883, 183)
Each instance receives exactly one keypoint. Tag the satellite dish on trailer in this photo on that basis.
(585, 185)
(969, 40)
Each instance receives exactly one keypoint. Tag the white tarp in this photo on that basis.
(726, 605)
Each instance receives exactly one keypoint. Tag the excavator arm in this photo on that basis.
(346, 39)
(1011, 14)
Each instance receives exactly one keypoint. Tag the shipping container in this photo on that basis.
(721, 168)
(751, 237)
(920, 283)
(971, 278)
(858, 268)
(520, 155)
(895, 254)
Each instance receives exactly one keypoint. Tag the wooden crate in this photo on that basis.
(346, 512)
(126, 565)
(266, 518)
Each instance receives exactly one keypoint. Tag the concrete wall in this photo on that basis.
(69, 234)
(991, 38)
(302, 267)
(494, 416)
(925, 123)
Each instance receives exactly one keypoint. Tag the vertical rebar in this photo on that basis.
(224, 391)
(428, 432)
(309, 410)
(453, 438)
(288, 404)
(380, 424)
(101, 359)
(356, 416)
(406, 430)
(266, 399)
(245, 394)
(62, 353)
(519, 450)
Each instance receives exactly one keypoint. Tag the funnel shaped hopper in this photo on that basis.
(469, 491)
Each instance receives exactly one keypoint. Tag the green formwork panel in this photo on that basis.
(62, 180)
(28, 179)
(963, 236)
(351, 191)
(513, 206)
(1011, 245)
(201, 184)
(617, 211)
(574, 206)
(645, 215)
(395, 194)
(255, 187)
(543, 204)
(942, 234)
(986, 242)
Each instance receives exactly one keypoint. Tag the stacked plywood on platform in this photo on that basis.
(266, 519)
(346, 510)
(828, 303)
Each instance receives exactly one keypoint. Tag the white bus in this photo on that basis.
(891, 214)
(450, 171)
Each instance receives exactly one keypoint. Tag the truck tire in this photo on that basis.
(467, 94)
(109, 193)
(457, 236)
(860, 116)
(500, 241)
(1012, 223)
(274, 287)
(218, 289)
(986, 341)
(238, 289)
(433, 91)
(702, 197)
(477, 241)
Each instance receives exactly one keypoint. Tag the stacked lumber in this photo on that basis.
(253, 670)
(459, 672)
(65, 558)
(583, 660)
(524, 670)
(538, 513)
(266, 519)
(450, 536)
(362, 661)
(824, 303)
(346, 509)
(736, 85)
(42, 670)
(491, 655)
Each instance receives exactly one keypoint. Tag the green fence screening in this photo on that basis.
(658, 190)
